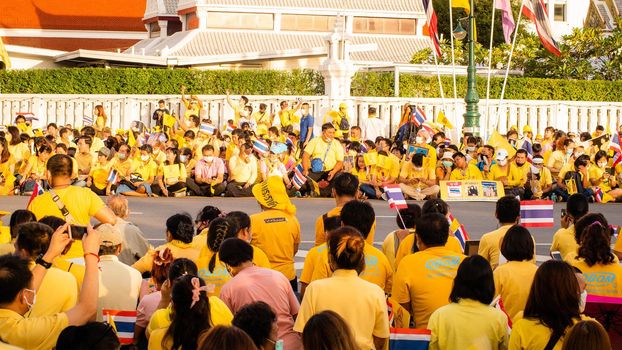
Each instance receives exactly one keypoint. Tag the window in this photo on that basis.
(307, 23)
(371, 25)
(559, 12)
(154, 30)
(234, 20)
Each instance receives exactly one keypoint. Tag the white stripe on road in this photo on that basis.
(302, 253)
(136, 213)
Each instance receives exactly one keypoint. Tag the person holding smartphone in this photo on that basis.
(564, 239)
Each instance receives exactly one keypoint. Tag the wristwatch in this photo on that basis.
(42, 262)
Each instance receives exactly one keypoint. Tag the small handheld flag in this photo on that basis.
(395, 197)
(123, 322)
(537, 213)
(87, 120)
(113, 177)
(261, 147)
(528, 147)
(299, 179)
(208, 129)
(229, 129)
(458, 231)
(418, 117)
(409, 339)
(37, 191)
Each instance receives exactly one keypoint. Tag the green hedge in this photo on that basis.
(296, 82)
(160, 81)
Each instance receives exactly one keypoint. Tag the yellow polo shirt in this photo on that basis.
(320, 234)
(409, 172)
(471, 173)
(487, 326)
(363, 307)
(513, 282)
(377, 268)
(276, 233)
(564, 242)
(50, 298)
(76, 270)
(529, 333)
(288, 117)
(124, 168)
(171, 174)
(317, 148)
(405, 247)
(311, 261)
(100, 174)
(178, 249)
(556, 160)
(604, 280)
(146, 170)
(425, 279)
(490, 245)
(81, 202)
(37, 333)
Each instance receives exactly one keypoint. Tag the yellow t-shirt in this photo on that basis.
(471, 173)
(100, 173)
(172, 174)
(364, 175)
(601, 279)
(76, 270)
(124, 168)
(311, 261)
(390, 170)
(556, 160)
(529, 333)
(38, 166)
(147, 170)
(320, 235)
(425, 279)
(161, 319)
(317, 148)
(178, 249)
(36, 333)
(405, 247)
(546, 179)
(513, 282)
(82, 203)
(487, 326)
(490, 245)
(377, 268)
(218, 277)
(363, 307)
(288, 117)
(409, 172)
(595, 173)
(50, 298)
(276, 233)
(564, 242)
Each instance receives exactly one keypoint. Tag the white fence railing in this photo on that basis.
(123, 109)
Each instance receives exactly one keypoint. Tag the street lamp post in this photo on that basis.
(472, 115)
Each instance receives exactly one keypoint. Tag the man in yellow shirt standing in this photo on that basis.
(322, 159)
(508, 214)
(564, 239)
(276, 230)
(424, 280)
(287, 117)
(464, 170)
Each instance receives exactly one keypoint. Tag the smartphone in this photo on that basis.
(610, 171)
(76, 231)
(556, 255)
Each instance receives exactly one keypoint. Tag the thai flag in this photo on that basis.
(458, 231)
(395, 197)
(113, 177)
(537, 213)
(123, 322)
(427, 128)
(614, 145)
(527, 146)
(363, 147)
(409, 339)
(536, 12)
(299, 179)
(432, 26)
(208, 129)
(229, 129)
(418, 117)
(498, 304)
(37, 191)
(598, 195)
(261, 147)
(87, 120)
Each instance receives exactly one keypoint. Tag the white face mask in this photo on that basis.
(471, 149)
(34, 298)
(583, 301)
(122, 156)
(602, 164)
(208, 159)
(502, 162)
(535, 170)
(578, 154)
(183, 159)
(419, 139)
(144, 157)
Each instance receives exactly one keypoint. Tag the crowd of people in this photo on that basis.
(191, 155)
(228, 280)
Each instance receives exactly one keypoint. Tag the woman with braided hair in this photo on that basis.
(210, 268)
(202, 221)
(363, 307)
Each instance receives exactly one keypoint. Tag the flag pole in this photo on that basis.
(507, 69)
(401, 220)
(492, 31)
(453, 56)
(440, 83)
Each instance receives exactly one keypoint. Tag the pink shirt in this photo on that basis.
(203, 170)
(147, 306)
(260, 284)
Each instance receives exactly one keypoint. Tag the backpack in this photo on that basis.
(344, 124)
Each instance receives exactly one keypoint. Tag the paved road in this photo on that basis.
(150, 215)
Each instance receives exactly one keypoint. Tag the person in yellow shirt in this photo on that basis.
(211, 270)
(276, 230)
(19, 285)
(143, 173)
(385, 172)
(243, 101)
(7, 169)
(287, 116)
(122, 162)
(513, 279)
(564, 240)
(193, 106)
(360, 215)
(599, 265)
(313, 259)
(463, 170)
(345, 188)
(98, 177)
(470, 297)
(602, 177)
(242, 223)
(406, 221)
(81, 203)
(263, 119)
(560, 157)
(35, 170)
(190, 315)
(171, 176)
(243, 171)
(179, 232)
(424, 280)
(507, 213)
(323, 157)
(539, 180)
(363, 308)
(416, 181)
(32, 240)
(553, 306)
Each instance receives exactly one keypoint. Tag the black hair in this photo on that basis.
(409, 216)
(91, 336)
(582, 160)
(219, 230)
(435, 205)
(417, 159)
(517, 244)
(53, 221)
(346, 248)
(327, 126)
(359, 215)
(256, 319)
(34, 238)
(239, 219)
(189, 318)
(180, 227)
(507, 209)
(208, 213)
(181, 267)
(473, 281)
(577, 206)
(433, 229)
(593, 234)
(345, 184)
(15, 275)
(20, 216)
(60, 165)
(234, 252)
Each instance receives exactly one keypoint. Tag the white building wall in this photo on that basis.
(575, 14)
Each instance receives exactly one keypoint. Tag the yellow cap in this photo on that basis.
(527, 128)
(343, 105)
(514, 127)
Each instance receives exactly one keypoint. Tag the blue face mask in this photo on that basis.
(447, 163)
